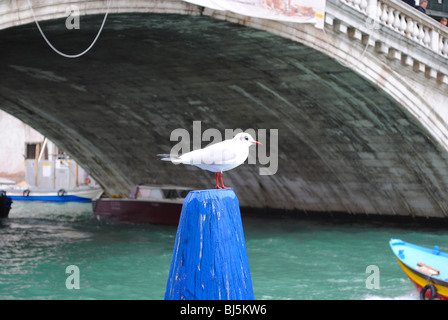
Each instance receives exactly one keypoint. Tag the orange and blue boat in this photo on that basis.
(426, 268)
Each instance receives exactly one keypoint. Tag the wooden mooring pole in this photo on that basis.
(209, 258)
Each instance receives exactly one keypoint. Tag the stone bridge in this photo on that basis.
(361, 107)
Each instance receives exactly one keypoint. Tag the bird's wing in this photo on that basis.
(219, 153)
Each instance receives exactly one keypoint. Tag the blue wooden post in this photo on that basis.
(209, 257)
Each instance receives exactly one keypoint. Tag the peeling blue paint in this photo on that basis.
(209, 258)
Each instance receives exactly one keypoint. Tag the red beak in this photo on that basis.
(259, 143)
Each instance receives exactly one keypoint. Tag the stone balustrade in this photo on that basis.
(396, 30)
(405, 20)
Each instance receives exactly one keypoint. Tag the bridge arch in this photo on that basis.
(359, 129)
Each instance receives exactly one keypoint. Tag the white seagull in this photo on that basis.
(218, 157)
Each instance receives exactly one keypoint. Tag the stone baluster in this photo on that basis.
(379, 11)
(445, 46)
(403, 25)
(426, 38)
(391, 18)
(363, 6)
(384, 14)
(421, 34)
(397, 21)
(409, 28)
(415, 31)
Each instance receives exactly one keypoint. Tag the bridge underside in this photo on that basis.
(344, 145)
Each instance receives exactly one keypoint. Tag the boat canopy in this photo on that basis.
(159, 192)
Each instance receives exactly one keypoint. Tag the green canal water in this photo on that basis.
(288, 258)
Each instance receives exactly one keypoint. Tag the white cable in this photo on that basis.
(61, 53)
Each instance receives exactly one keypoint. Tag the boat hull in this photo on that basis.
(409, 256)
(5, 206)
(137, 211)
(80, 195)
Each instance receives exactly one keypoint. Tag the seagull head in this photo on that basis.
(246, 139)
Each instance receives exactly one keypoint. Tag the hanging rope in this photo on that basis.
(61, 53)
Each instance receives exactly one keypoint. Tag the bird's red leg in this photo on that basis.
(222, 183)
(217, 184)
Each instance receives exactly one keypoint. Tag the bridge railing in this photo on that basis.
(406, 20)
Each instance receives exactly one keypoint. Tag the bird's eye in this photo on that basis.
(246, 137)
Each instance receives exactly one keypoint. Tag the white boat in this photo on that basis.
(79, 194)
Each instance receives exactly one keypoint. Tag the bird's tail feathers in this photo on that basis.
(175, 158)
